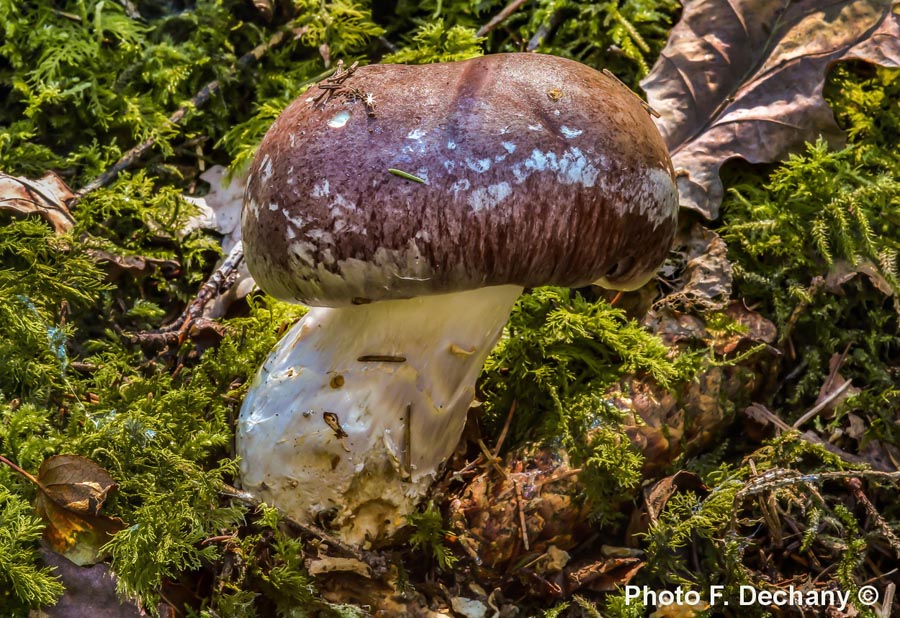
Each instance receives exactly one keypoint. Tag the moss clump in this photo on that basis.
(558, 356)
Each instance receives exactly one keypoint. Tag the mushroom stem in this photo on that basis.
(356, 408)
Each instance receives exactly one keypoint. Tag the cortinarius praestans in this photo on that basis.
(409, 205)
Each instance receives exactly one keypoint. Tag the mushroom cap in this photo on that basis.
(535, 170)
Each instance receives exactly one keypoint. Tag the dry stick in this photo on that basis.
(308, 529)
(810, 436)
(521, 516)
(500, 17)
(822, 404)
(199, 100)
(544, 30)
(219, 281)
(855, 486)
(888, 601)
(509, 416)
(491, 459)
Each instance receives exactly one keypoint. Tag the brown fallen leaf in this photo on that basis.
(72, 492)
(704, 274)
(843, 271)
(743, 78)
(656, 497)
(118, 266)
(45, 197)
(604, 575)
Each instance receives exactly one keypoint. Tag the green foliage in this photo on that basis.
(624, 35)
(433, 42)
(22, 584)
(429, 533)
(559, 355)
(822, 217)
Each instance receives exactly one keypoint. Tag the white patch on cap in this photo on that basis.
(509, 147)
(418, 133)
(656, 198)
(577, 169)
(570, 133)
(320, 189)
(462, 184)
(339, 119)
(535, 127)
(266, 168)
(573, 167)
(489, 197)
(478, 165)
(299, 222)
(386, 270)
(341, 203)
(273, 206)
(451, 145)
(301, 251)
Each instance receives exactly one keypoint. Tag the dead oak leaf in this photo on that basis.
(45, 197)
(744, 78)
(72, 492)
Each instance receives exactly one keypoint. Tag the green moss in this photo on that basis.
(559, 355)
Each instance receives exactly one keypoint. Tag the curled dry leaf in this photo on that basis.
(704, 273)
(45, 197)
(744, 78)
(72, 492)
(843, 271)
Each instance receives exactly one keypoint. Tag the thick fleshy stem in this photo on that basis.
(357, 407)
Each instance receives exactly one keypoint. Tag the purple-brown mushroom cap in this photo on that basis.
(535, 170)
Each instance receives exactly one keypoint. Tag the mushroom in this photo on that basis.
(409, 206)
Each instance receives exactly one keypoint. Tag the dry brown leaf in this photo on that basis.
(72, 492)
(45, 197)
(843, 271)
(604, 575)
(743, 78)
(704, 273)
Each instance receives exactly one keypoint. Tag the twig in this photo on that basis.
(813, 438)
(837, 367)
(220, 281)
(544, 30)
(499, 18)
(199, 100)
(21, 471)
(521, 516)
(888, 601)
(491, 459)
(308, 529)
(407, 455)
(509, 416)
(855, 486)
(822, 404)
